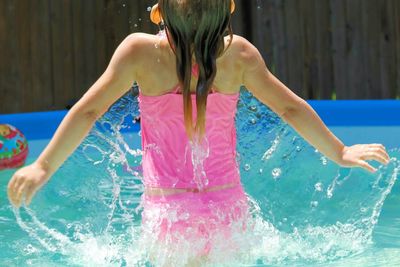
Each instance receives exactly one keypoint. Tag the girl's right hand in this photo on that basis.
(26, 182)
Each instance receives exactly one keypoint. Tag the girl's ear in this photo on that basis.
(233, 6)
(155, 15)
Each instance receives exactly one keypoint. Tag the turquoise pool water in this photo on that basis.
(306, 211)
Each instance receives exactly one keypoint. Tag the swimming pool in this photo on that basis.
(306, 210)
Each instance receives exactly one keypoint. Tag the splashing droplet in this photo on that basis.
(276, 173)
(247, 167)
(318, 187)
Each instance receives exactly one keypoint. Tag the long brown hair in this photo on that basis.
(196, 28)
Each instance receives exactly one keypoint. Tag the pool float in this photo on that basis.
(13, 147)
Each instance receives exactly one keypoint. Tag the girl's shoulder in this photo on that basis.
(139, 46)
(140, 40)
(239, 43)
(142, 37)
(242, 50)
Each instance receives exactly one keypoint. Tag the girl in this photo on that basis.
(189, 87)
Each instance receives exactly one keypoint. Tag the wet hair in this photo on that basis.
(196, 28)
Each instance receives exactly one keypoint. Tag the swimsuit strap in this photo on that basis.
(195, 70)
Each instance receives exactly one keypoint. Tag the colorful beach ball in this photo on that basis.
(13, 147)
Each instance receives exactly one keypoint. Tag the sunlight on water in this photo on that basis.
(299, 207)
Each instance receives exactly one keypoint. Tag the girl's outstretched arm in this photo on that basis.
(113, 83)
(301, 116)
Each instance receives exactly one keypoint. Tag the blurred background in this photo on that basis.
(52, 51)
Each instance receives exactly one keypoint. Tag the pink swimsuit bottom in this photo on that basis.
(196, 223)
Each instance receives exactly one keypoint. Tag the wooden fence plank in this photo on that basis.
(80, 29)
(355, 67)
(308, 32)
(99, 39)
(295, 50)
(397, 41)
(237, 18)
(62, 52)
(323, 50)
(23, 91)
(338, 18)
(118, 15)
(261, 12)
(371, 29)
(388, 48)
(93, 46)
(41, 56)
(3, 55)
(10, 76)
(280, 40)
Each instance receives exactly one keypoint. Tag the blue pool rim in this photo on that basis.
(42, 125)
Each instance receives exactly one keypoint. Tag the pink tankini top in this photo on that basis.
(167, 153)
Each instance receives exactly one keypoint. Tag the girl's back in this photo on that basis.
(157, 74)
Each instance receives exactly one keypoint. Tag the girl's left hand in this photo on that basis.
(357, 156)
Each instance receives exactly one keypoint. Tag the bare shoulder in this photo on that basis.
(240, 42)
(244, 51)
(243, 47)
(133, 49)
(140, 38)
(132, 52)
(137, 43)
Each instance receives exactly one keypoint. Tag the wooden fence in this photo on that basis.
(51, 51)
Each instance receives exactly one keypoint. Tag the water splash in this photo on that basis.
(315, 213)
(199, 150)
